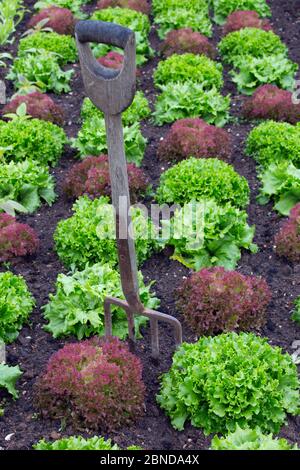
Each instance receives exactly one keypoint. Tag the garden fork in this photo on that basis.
(112, 91)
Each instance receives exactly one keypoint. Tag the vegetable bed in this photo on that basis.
(21, 426)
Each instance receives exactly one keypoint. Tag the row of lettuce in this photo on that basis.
(199, 387)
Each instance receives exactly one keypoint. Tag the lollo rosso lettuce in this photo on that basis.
(204, 234)
(181, 41)
(60, 20)
(280, 182)
(94, 384)
(287, 241)
(230, 380)
(73, 5)
(271, 102)
(190, 100)
(27, 183)
(245, 19)
(216, 300)
(16, 240)
(38, 105)
(77, 307)
(194, 137)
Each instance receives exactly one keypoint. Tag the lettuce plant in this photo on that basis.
(184, 40)
(112, 60)
(89, 236)
(223, 8)
(16, 304)
(195, 179)
(42, 70)
(190, 100)
(251, 42)
(91, 177)
(296, 312)
(215, 300)
(170, 15)
(134, 20)
(205, 234)
(73, 5)
(38, 105)
(95, 384)
(11, 14)
(189, 68)
(229, 380)
(80, 443)
(280, 182)
(8, 378)
(16, 239)
(77, 307)
(274, 142)
(270, 102)
(195, 5)
(138, 110)
(287, 241)
(273, 69)
(33, 139)
(91, 140)
(245, 19)
(60, 20)
(27, 183)
(250, 439)
(62, 45)
(194, 137)
(138, 5)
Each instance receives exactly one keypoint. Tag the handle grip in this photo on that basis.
(102, 32)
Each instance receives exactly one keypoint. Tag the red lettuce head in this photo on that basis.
(215, 300)
(245, 19)
(91, 177)
(287, 241)
(94, 384)
(38, 105)
(185, 40)
(16, 239)
(270, 102)
(194, 137)
(61, 20)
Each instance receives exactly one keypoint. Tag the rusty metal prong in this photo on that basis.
(107, 316)
(154, 338)
(154, 317)
(163, 317)
(131, 327)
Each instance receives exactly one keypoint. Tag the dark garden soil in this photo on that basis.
(34, 346)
